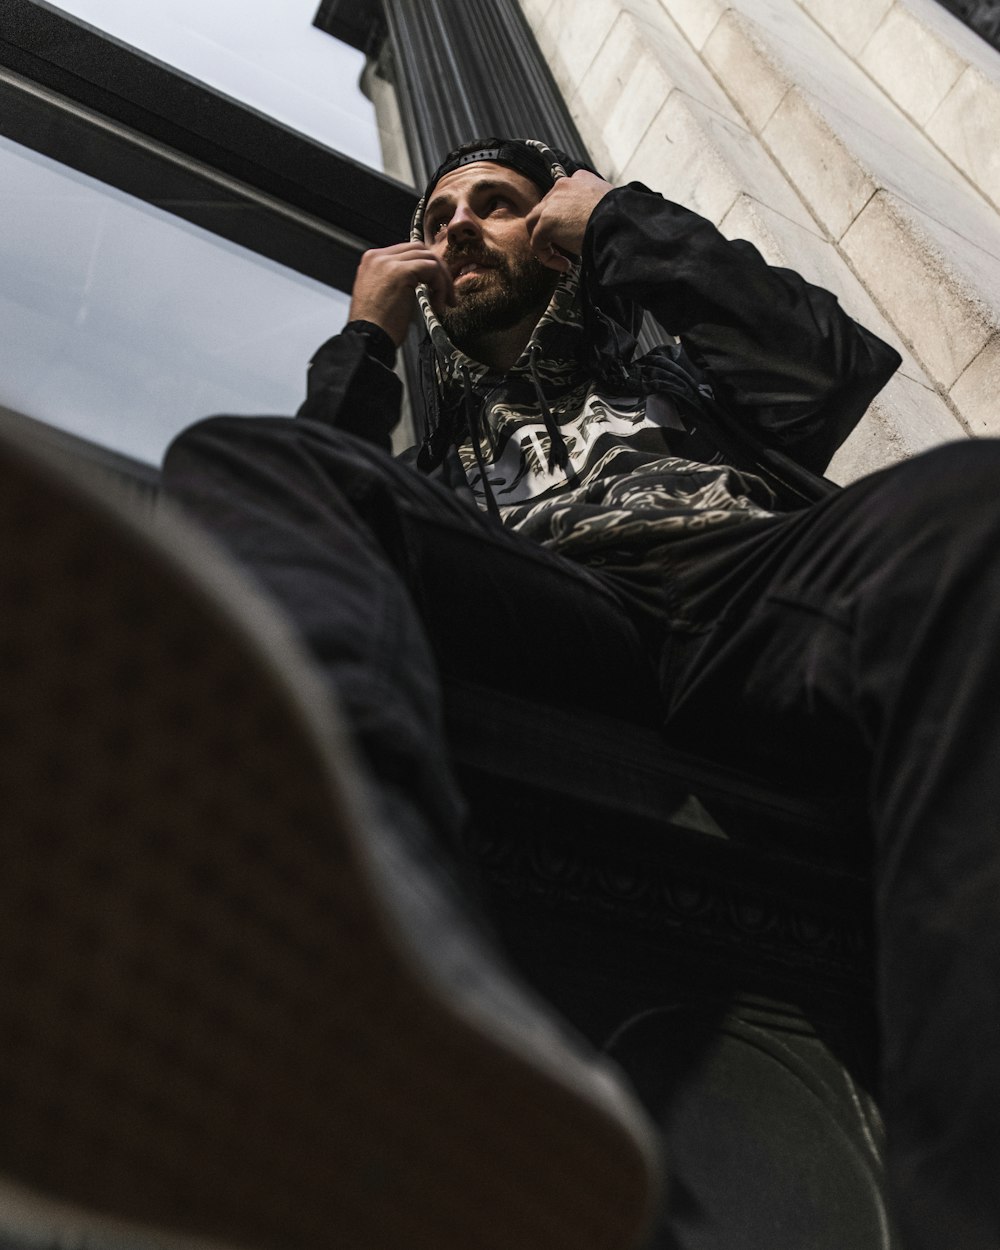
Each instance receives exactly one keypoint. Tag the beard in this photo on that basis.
(508, 292)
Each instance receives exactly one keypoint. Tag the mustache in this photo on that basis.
(477, 253)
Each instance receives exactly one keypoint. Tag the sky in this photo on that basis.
(265, 53)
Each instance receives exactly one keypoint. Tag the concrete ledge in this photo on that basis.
(975, 393)
(919, 278)
(904, 420)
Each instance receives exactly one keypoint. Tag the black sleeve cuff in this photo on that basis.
(378, 344)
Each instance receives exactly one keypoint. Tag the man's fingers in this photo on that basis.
(384, 285)
(542, 245)
(558, 222)
(441, 285)
(552, 258)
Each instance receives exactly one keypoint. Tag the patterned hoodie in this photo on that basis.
(589, 466)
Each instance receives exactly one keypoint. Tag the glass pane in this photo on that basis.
(122, 323)
(265, 53)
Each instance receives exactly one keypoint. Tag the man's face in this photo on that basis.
(474, 221)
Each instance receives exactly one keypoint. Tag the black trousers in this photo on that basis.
(854, 643)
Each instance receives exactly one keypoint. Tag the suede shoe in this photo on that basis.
(234, 1008)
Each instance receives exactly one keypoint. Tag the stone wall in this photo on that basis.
(855, 140)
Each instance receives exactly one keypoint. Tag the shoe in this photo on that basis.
(233, 1009)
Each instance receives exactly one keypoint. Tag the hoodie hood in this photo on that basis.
(543, 166)
(560, 355)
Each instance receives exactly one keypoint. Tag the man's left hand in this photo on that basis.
(558, 222)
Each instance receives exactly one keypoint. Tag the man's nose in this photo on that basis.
(464, 225)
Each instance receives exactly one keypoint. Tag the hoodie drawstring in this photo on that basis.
(472, 421)
(558, 451)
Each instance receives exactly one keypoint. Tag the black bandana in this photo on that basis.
(534, 160)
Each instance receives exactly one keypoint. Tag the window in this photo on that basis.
(123, 323)
(168, 252)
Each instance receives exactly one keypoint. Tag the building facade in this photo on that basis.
(853, 140)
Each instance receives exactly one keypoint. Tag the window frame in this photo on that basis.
(83, 98)
(146, 98)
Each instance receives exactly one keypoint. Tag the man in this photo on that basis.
(584, 525)
(660, 521)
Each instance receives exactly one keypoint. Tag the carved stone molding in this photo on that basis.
(766, 917)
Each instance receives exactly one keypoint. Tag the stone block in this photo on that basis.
(620, 94)
(837, 157)
(887, 148)
(697, 157)
(696, 18)
(976, 394)
(970, 47)
(823, 169)
(784, 242)
(809, 54)
(911, 63)
(967, 127)
(917, 415)
(929, 281)
(850, 22)
(676, 158)
(628, 82)
(754, 82)
(573, 35)
(686, 69)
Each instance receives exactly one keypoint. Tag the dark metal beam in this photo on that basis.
(358, 23)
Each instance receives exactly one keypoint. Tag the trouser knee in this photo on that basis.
(938, 511)
(949, 484)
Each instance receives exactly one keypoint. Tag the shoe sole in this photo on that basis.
(211, 1021)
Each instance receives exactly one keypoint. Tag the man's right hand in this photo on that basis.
(385, 282)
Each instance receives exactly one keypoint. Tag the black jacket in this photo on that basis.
(778, 373)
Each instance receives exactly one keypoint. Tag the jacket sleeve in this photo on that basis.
(782, 356)
(350, 387)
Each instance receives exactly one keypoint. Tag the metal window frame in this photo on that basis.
(180, 130)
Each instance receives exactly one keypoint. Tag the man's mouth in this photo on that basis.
(469, 269)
